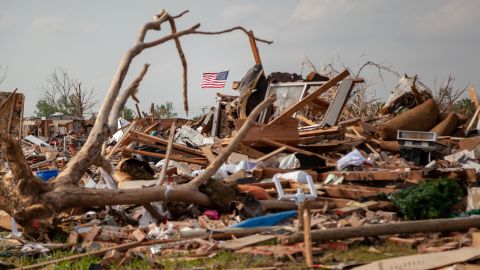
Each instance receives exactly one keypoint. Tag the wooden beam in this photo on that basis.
(321, 131)
(472, 121)
(162, 156)
(208, 153)
(473, 97)
(271, 154)
(253, 45)
(405, 227)
(290, 148)
(310, 97)
(168, 153)
(355, 192)
(145, 137)
(246, 150)
(305, 120)
(467, 175)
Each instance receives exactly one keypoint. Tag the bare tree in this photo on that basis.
(446, 96)
(32, 203)
(65, 94)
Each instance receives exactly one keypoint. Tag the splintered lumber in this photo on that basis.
(253, 45)
(355, 192)
(246, 150)
(285, 132)
(290, 148)
(469, 143)
(321, 131)
(304, 119)
(171, 136)
(208, 153)
(271, 154)
(246, 241)
(406, 227)
(467, 175)
(145, 138)
(309, 98)
(451, 259)
(280, 205)
(162, 156)
(473, 97)
(472, 121)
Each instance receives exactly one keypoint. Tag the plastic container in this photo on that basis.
(47, 175)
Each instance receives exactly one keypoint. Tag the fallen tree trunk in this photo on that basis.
(407, 227)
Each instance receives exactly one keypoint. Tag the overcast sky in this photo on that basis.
(430, 38)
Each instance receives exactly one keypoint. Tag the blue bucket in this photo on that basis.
(47, 175)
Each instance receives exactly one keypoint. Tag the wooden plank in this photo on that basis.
(473, 97)
(305, 120)
(321, 131)
(309, 98)
(168, 153)
(271, 154)
(355, 192)
(242, 242)
(162, 156)
(253, 45)
(285, 132)
(290, 148)
(178, 147)
(473, 120)
(250, 152)
(412, 175)
(208, 153)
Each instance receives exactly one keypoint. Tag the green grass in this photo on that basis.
(361, 253)
(226, 260)
(223, 260)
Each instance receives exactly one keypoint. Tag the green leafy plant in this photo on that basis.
(430, 199)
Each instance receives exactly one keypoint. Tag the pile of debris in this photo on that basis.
(283, 161)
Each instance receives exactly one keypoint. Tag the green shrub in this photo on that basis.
(429, 199)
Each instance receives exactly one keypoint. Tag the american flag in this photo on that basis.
(214, 79)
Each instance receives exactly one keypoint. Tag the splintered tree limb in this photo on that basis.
(241, 134)
(122, 99)
(184, 63)
(231, 30)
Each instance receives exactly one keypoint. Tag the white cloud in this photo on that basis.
(235, 12)
(59, 24)
(5, 21)
(452, 17)
(314, 10)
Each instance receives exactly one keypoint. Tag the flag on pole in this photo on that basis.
(214, 79)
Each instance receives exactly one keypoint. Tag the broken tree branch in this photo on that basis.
(121, 100)
(184, 63)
